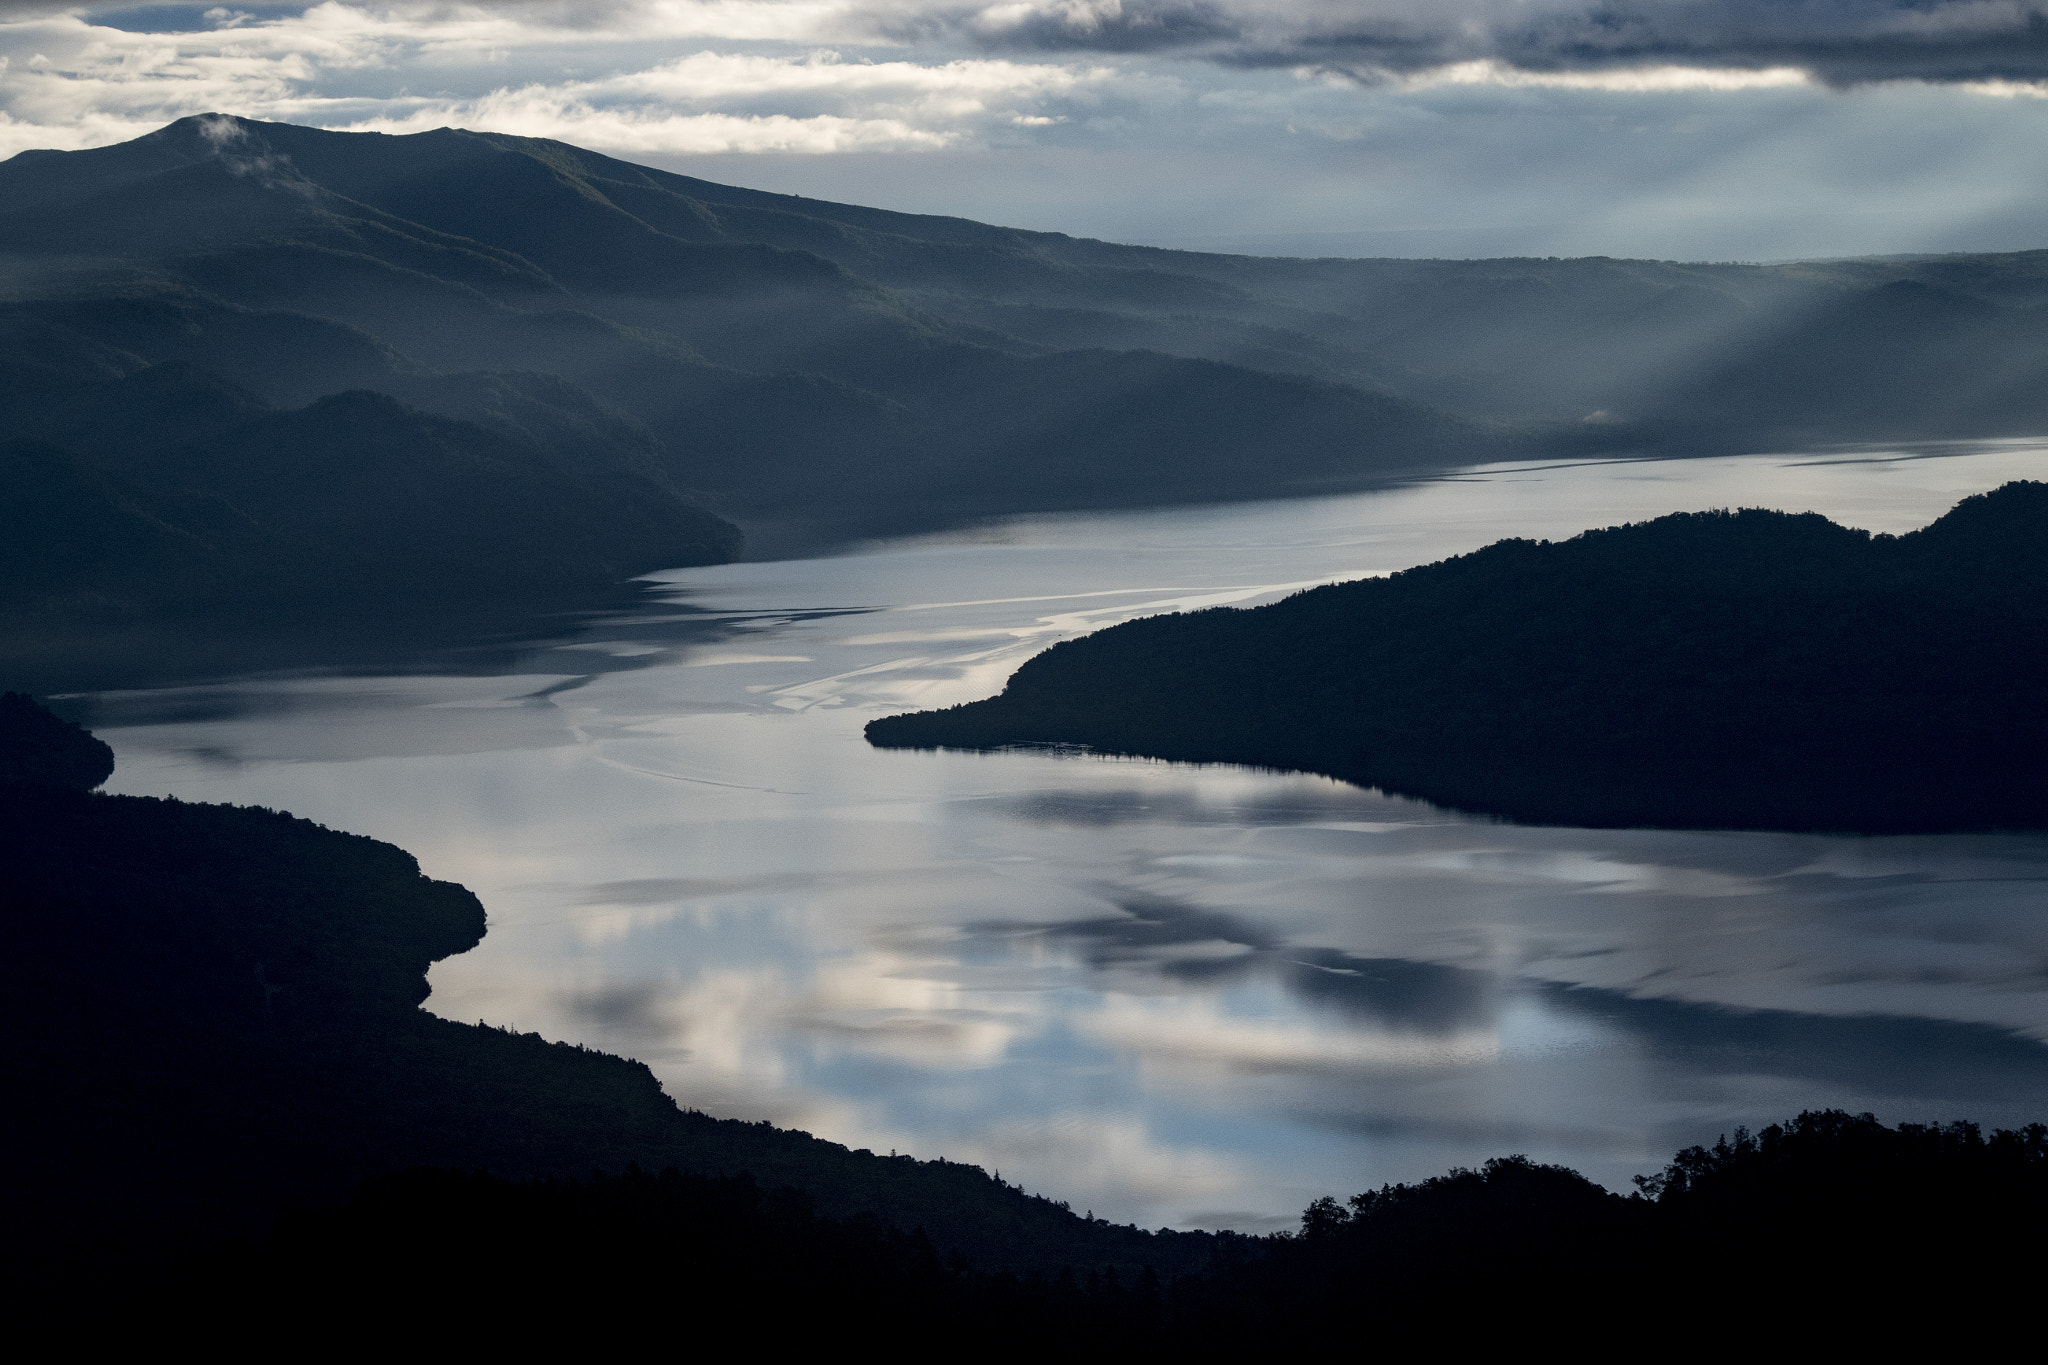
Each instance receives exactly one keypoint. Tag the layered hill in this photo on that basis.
(1748, 669)
(623, 357)
(773, 359)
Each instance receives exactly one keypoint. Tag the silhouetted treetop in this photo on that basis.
(39, 748)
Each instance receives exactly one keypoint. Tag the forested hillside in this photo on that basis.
(1717, 669)
(1894, 1226)
(231, 1114)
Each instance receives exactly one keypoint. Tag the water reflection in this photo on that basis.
(1897, 1059)
(1175, 994)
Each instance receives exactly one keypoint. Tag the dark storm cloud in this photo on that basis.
(1156, 26)
(1839, 42)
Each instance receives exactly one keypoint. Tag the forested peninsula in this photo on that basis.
(1747, 669)
(214, 1014)
(228, 1114)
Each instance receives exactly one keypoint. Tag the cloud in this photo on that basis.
(1105, 25)
(66, 81)
(1631, 80)
(843, 76)
(1835, 42)
(1460, 127)
(1202, 1032)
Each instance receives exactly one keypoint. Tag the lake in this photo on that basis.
(1171, 995)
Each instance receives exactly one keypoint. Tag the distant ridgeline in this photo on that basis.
(1748, 669)
(226, 1112)
(247, 363)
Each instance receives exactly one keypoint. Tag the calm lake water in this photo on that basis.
(1179, 996)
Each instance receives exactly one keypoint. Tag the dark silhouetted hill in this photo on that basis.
(42, 750)
(1720, 669)
(1830, 1231)
(227, 1113)
(353, 499)
(160, 470)
(213, 1015)
(362, 488)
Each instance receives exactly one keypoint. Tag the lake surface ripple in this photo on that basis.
(1181, 996)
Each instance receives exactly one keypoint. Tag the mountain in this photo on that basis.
(779, 358)
(353, 496)
(1748, 669)
(604, 344)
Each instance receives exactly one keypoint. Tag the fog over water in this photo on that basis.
(1183, 996)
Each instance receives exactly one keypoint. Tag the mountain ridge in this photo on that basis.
(820, 372)
(425, 241)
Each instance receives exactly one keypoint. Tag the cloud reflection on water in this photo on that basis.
(1168, 993)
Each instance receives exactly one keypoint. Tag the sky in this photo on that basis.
(1671, 129)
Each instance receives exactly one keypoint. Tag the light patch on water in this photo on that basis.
(1170, 993)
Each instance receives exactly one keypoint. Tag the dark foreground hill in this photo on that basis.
(229, 1119)
(1830, 1232)
(212, 1015)
(1749, 669)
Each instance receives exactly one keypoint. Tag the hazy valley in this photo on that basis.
(606, 365)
